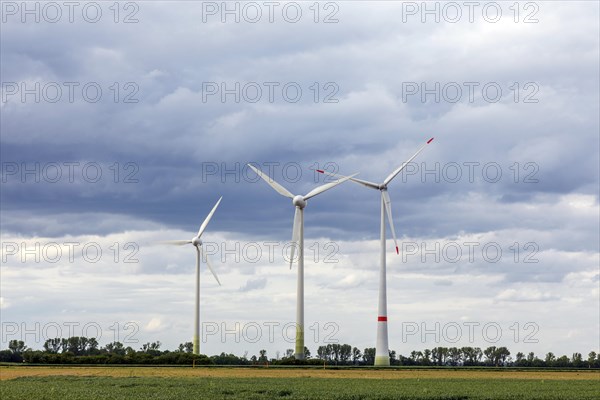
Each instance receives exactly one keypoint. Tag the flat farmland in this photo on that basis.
(12, 372)
(47, 382)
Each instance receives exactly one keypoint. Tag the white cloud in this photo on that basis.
(171, 133)
(525, 295)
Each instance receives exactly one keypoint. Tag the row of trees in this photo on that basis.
(456, 356)
(82, 350)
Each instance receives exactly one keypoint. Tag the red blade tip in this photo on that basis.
(397, 252)
(430, 140)
(321, 171)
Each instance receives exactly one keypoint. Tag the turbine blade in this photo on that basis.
(388, 209)
(175, 242)
(295, 235)
(327, 186)
(210, 267)
(207, 219)
(400, 168)
(278, 188)
(362, 182)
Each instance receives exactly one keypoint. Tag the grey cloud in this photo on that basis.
(171, 133)
(254, 284)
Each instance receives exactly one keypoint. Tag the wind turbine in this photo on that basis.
(198, 245)
(382, 357)
(299, 203)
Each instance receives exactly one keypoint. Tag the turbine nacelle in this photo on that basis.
(196, 241)
(299, 201)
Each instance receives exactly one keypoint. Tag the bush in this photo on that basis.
(9, 356)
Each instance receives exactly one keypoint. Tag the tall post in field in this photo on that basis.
(196, 341)
(300, 294)
(382, 355)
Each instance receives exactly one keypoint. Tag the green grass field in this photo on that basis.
(58, 382)
(73, 387)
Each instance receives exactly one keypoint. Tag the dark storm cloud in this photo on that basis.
(173, 134)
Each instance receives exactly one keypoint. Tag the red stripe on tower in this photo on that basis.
(382, 319)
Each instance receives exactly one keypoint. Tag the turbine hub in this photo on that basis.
(196, 241)
(299, 201)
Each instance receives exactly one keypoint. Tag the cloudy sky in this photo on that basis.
(122, 126)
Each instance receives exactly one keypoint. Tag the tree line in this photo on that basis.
(82, 350)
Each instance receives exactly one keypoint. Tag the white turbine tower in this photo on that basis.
(198, 245)
(382, 357)
(298, 236)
